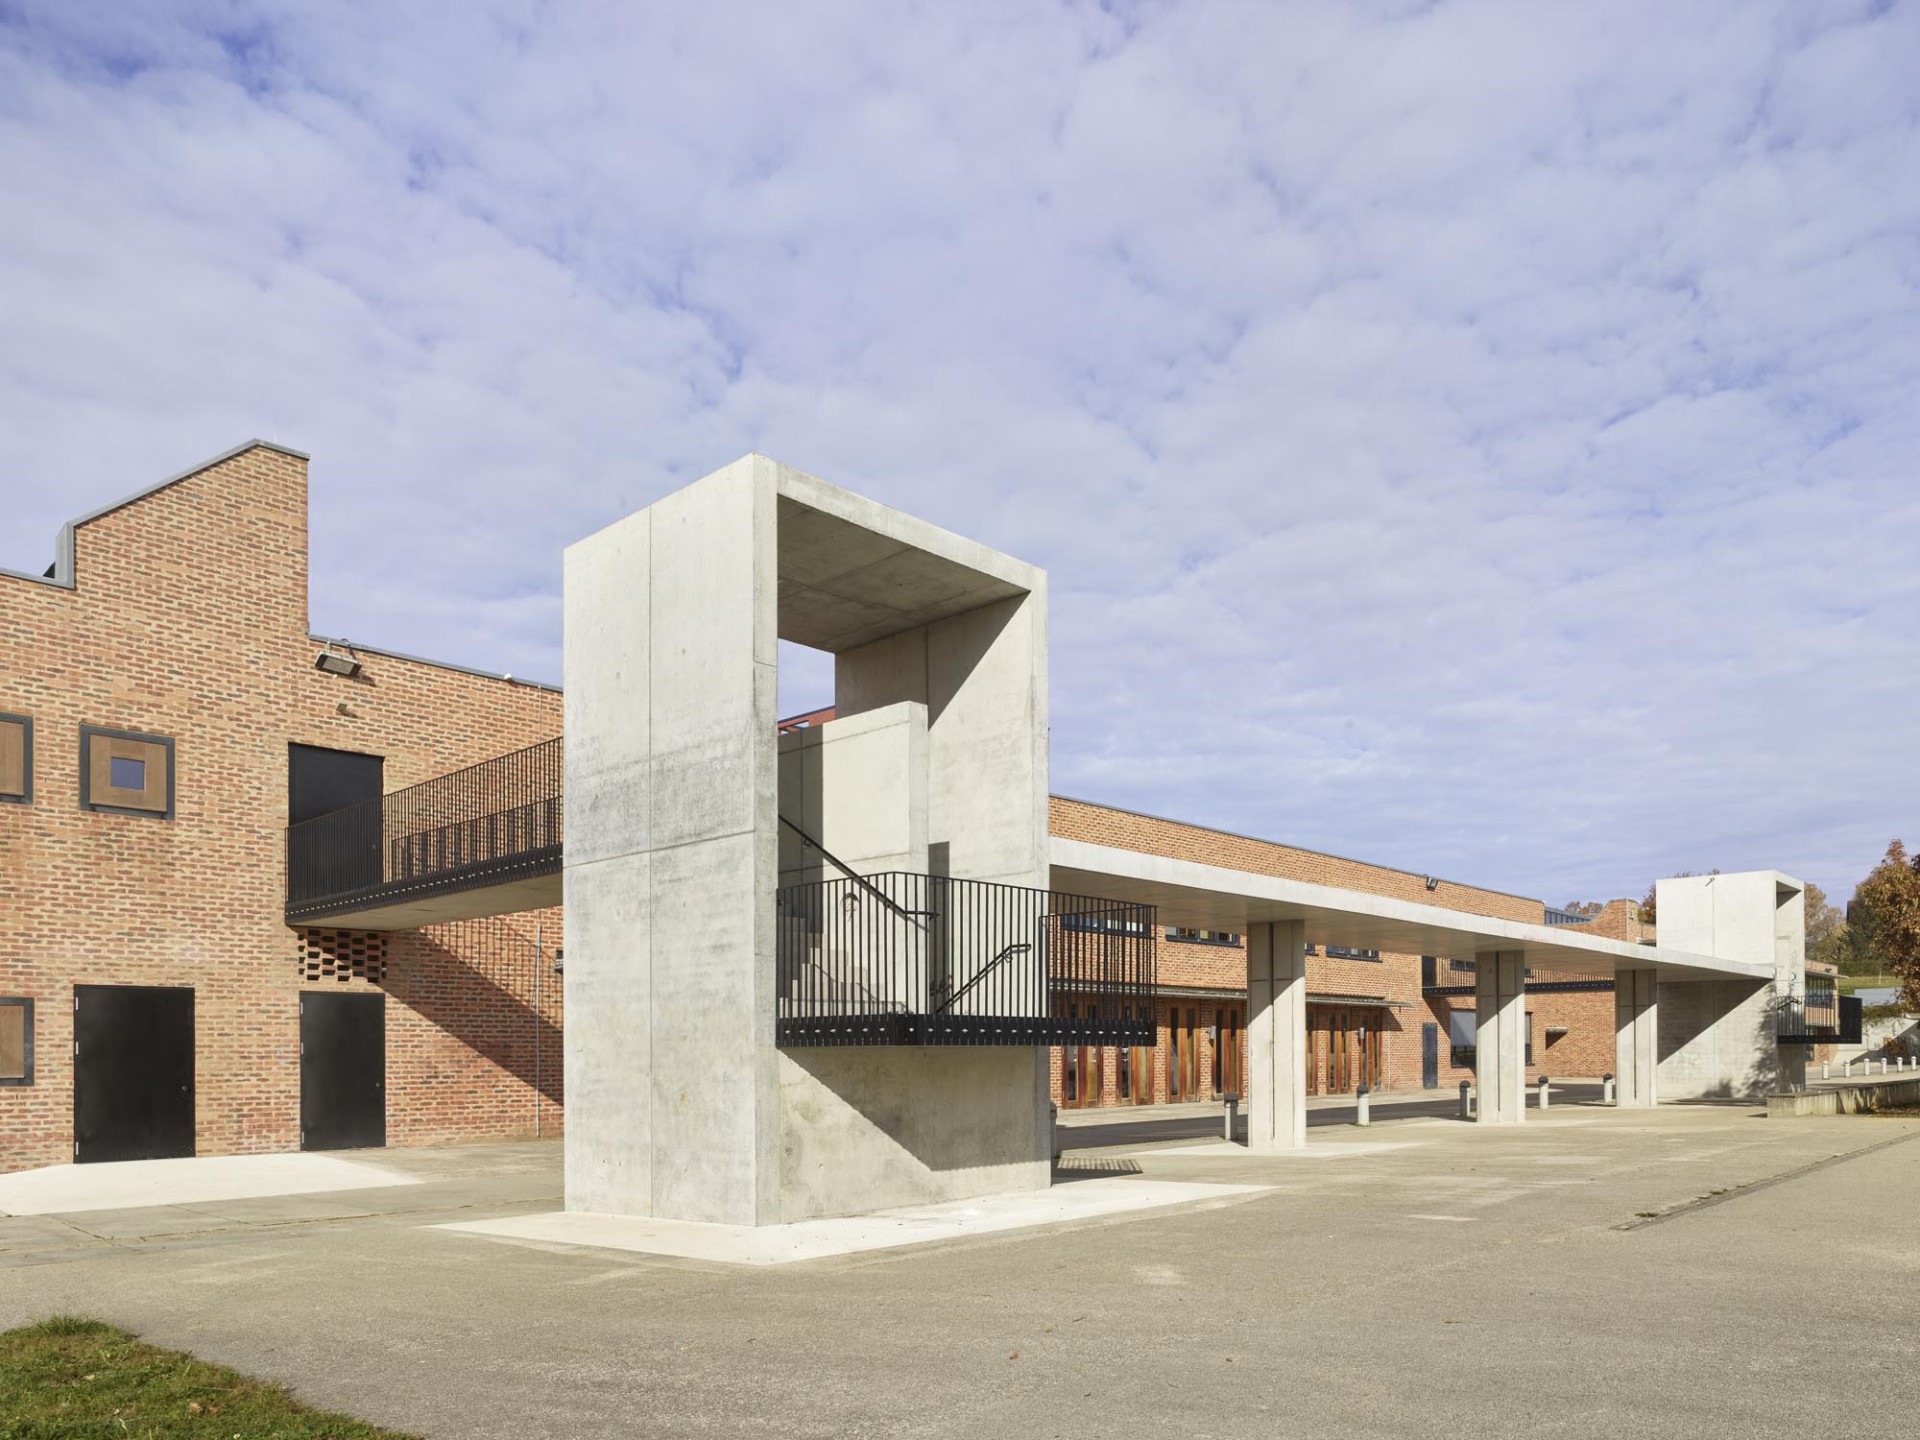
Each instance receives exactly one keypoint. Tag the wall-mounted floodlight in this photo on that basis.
(335, 664)
(1433, 882)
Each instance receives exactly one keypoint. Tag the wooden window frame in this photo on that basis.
(24, 1004)
(151, 805)
(25, 722)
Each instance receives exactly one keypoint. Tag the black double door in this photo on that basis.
(132, 1072)
(343, 1071)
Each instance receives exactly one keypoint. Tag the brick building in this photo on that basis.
(168, 648)
(165, 711)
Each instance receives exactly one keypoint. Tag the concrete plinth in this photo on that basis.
(1500, 1036)
(1276, 1036)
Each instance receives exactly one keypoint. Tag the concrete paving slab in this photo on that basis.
(1312, 1151)
(852, 1235)
(133, 1184)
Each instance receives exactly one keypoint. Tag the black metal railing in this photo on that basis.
(493, 822)
(1817, 1020)
(907, 959)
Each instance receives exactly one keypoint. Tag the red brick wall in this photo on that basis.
(1101, 825)
(190, 620)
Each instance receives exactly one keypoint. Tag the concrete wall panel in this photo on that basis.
(865, 1129)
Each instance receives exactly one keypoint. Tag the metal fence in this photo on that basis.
(1817, 1020)
(496, 821)
(906, 959)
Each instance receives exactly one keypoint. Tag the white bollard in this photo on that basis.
(1543, 1092)
(1606, 1089)
(1826, 1069)
(1466, 1099)
(1847, 1068)
(1360, 1111)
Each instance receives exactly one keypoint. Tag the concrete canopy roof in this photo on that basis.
(852, 571)
(1214, 898)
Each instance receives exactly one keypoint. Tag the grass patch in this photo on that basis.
(67, 1376)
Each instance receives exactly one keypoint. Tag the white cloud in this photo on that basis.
(1477, 437)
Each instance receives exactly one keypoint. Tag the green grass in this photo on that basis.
(1851, 983)
(72, 1377)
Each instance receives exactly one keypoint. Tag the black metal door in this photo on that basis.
(1430, 1056)
(343, 1071)
(325, 782)
(132, 1072)
(320, 781)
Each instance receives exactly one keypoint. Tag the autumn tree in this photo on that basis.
(1885, 918)
(1827, 937)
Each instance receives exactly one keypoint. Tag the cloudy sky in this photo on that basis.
(1473, 437)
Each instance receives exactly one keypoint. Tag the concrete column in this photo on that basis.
(1276, 1036)
(1500, 1038)
(672, 857)
(1636, 1033)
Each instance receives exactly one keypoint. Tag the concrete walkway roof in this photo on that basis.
(1213, 897)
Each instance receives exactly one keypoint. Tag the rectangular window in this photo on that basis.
(16, 1041)
(125, 773)
(1342, 952)
(1190, 936)
(1463, 1036)
(16, 760)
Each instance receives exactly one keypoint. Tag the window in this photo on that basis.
(1095, 920)
(16, 760)
(126, 774)
(16, 1042)
(1342, 952)
(1463, 1036)
(1189, 936)
(1463, 1027)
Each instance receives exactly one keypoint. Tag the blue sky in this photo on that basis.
(1473, 437)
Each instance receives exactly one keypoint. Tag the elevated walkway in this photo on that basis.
(488, 840)
(481, 841)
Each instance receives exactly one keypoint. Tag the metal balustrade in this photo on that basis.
(907, 959)
(491, 823)
(1817, 1020)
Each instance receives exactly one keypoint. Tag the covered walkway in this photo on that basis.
(1717, 1037)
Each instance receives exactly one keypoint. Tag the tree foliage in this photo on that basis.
(1884, 919)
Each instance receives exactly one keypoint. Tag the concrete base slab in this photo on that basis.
(138, 1184)
(854, 1234)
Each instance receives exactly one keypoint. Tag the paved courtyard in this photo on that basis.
(1696, 1271)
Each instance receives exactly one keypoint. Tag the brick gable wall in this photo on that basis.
(189, 619)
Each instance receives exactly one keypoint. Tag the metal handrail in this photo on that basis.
(945, 961)
(501, 818)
